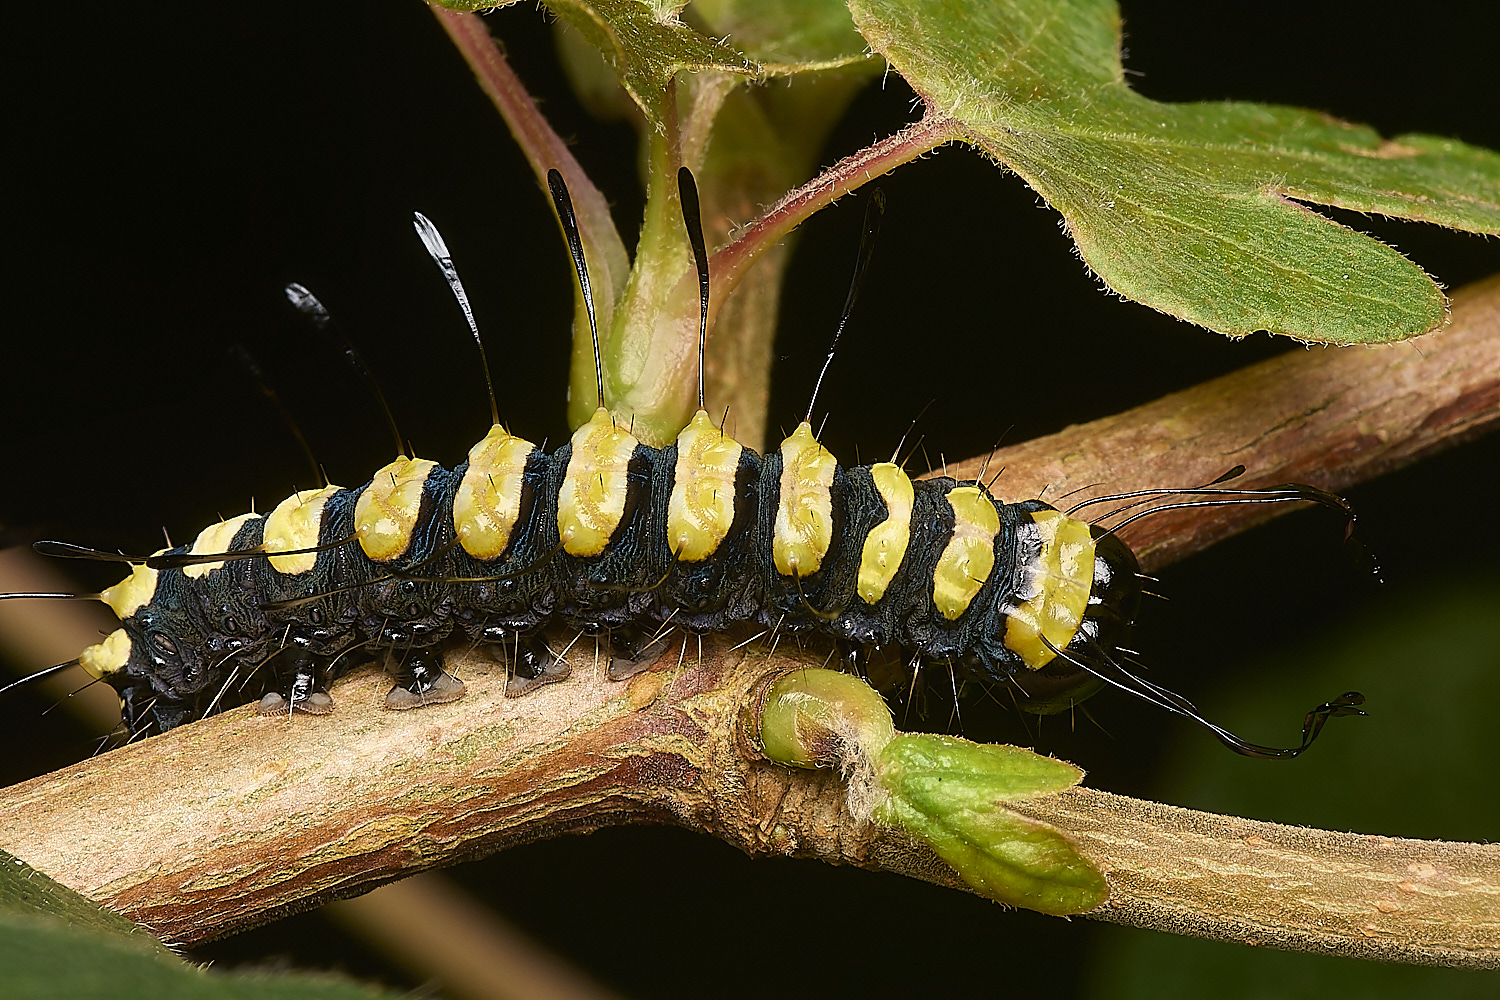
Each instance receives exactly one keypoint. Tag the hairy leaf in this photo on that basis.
(647, 46)
(26, 892)
(787, 35)
(643, 41)
(647, 43)
(1190, 208)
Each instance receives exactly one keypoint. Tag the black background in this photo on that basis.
(171, 168)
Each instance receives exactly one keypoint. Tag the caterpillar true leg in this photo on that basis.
(424, 682)
(535, 666)
(306, 694)
(635, 650)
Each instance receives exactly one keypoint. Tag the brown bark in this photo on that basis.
(237, 819)
(1328, 416)
(1426, 902)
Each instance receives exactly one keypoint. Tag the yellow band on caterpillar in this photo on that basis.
(591, 503)
(133, 592)
(804, 514)
(107, 657)
(293, 525)
(386, 513)
(488, 501)
(885, 545)
(969, 556)
(215, 538)
(1062, 577)
(700, 511)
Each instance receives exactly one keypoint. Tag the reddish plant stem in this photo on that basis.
(544, 148)
(730, 264)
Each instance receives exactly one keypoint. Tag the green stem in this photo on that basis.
(649, 348)
(648, 313)
(650, 360)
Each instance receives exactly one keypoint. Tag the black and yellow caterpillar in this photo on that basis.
(607, 535)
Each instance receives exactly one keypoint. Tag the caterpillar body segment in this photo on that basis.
(396, 571)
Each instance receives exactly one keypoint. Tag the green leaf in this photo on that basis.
(787, 36)
(646, 45)
(472, 6)
(950, 793)
(643, 41)
(947, 792)
(26, 892)
(1189, 208)
(54, 943)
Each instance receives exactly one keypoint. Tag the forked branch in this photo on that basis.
(237, 819)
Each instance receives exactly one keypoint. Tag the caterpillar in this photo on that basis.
(615, 538)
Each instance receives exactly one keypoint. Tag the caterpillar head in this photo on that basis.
(161, 649)
(149, 656)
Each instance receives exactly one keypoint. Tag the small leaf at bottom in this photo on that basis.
(950, 794)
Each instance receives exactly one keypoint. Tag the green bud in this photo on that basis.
(823, 718)
(950, 793)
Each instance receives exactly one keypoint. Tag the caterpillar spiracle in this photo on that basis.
(609, 536)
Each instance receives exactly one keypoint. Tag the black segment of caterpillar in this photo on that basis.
(608, 535)
(187, 630)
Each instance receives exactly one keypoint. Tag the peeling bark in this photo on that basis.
(238, 819)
